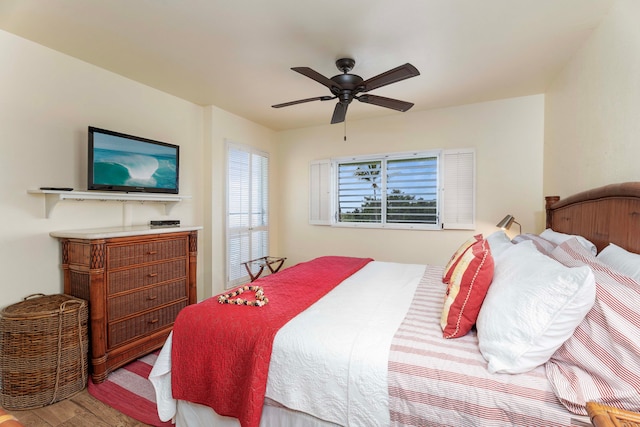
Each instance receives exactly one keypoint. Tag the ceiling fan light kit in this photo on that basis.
(346, 87)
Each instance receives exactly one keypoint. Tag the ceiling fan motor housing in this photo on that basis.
(348, 86)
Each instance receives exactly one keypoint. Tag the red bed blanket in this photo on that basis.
(221, 352)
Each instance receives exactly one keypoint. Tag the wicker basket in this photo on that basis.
(43, 350)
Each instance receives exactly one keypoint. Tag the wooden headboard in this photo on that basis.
(609, 214)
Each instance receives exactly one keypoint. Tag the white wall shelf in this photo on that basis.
(53, 197)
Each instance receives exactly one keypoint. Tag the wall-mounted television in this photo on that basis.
(121, 162)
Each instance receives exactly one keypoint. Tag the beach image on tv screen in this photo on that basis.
(125, 162)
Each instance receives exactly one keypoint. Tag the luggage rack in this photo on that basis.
(271, 262)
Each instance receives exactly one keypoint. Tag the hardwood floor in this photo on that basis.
(80, 410)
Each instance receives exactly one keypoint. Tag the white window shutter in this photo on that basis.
(320, 192)
(247, 217)
(459, 192)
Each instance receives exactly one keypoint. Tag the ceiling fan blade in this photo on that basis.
(314, 75)
(381, 101)
(395, 75)
(300, 101)
(339, 113)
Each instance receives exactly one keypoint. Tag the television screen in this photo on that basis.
(120, 162)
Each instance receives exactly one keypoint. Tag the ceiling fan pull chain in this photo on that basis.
(345, 130)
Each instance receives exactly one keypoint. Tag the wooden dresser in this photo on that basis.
(136, 280)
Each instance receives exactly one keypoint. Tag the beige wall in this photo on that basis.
(592, 111)
(222, 126)
(507, 135)
(47, 100)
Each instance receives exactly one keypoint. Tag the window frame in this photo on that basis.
(383, 159)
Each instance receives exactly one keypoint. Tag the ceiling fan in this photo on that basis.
(347, 87)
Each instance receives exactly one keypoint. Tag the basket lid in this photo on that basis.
(40, 304)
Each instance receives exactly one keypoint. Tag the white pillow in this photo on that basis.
(499, 242)
(558, 238)
(532, 307)
(621, 260)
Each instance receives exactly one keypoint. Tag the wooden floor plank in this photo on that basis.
(59, 412)
(30, 419)
(104, 412)
(79, 410)
(87, 419)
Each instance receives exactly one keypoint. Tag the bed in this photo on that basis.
(370, 351)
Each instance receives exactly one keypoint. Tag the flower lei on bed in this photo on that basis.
(230, 297)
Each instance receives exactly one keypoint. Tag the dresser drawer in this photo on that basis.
(143, 252)
(146, 299)
(132, 278)
(122, 331)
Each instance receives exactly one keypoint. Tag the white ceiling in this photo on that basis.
(237, 54)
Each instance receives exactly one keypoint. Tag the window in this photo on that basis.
(247, 209)
(428, 190)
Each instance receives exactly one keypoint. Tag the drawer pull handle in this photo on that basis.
(151, 322)
(152, 252)
(151, 298)
(153, 274)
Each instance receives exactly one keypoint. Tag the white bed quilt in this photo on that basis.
(331, 360)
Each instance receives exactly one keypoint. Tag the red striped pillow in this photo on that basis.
(456, 257)
(467, 288)
(601, 360)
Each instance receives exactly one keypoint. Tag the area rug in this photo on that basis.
(128, 390)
